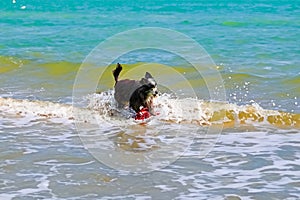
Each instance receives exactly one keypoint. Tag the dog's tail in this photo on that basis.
(116, 72)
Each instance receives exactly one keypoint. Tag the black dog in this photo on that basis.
(136, 94)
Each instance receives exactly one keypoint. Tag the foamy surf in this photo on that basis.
(183, 111)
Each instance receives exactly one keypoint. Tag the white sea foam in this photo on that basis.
(101, 108)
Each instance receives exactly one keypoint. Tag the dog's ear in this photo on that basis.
(144, 81)
(148, 75)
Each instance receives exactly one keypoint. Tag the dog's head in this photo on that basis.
(143, 96)
(151, 84)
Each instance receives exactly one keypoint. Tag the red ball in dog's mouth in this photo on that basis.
(142, 114)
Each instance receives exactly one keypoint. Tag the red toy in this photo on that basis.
(142, 114)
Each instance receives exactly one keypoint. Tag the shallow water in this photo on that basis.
(171, 156)
(244, 148)
(47, 160)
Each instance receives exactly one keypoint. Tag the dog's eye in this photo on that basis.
(152, 86)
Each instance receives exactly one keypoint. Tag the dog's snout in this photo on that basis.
(155, 93)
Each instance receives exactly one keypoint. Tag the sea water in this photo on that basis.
(48, 151)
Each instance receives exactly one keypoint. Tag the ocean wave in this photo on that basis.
(168, 109)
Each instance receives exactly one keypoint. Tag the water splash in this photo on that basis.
(181, 111)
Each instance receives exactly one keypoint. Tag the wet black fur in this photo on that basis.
(142, 97)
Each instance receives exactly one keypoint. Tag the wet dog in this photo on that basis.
(135, 94)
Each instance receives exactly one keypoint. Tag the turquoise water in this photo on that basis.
(255, 46)
(257, 41)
